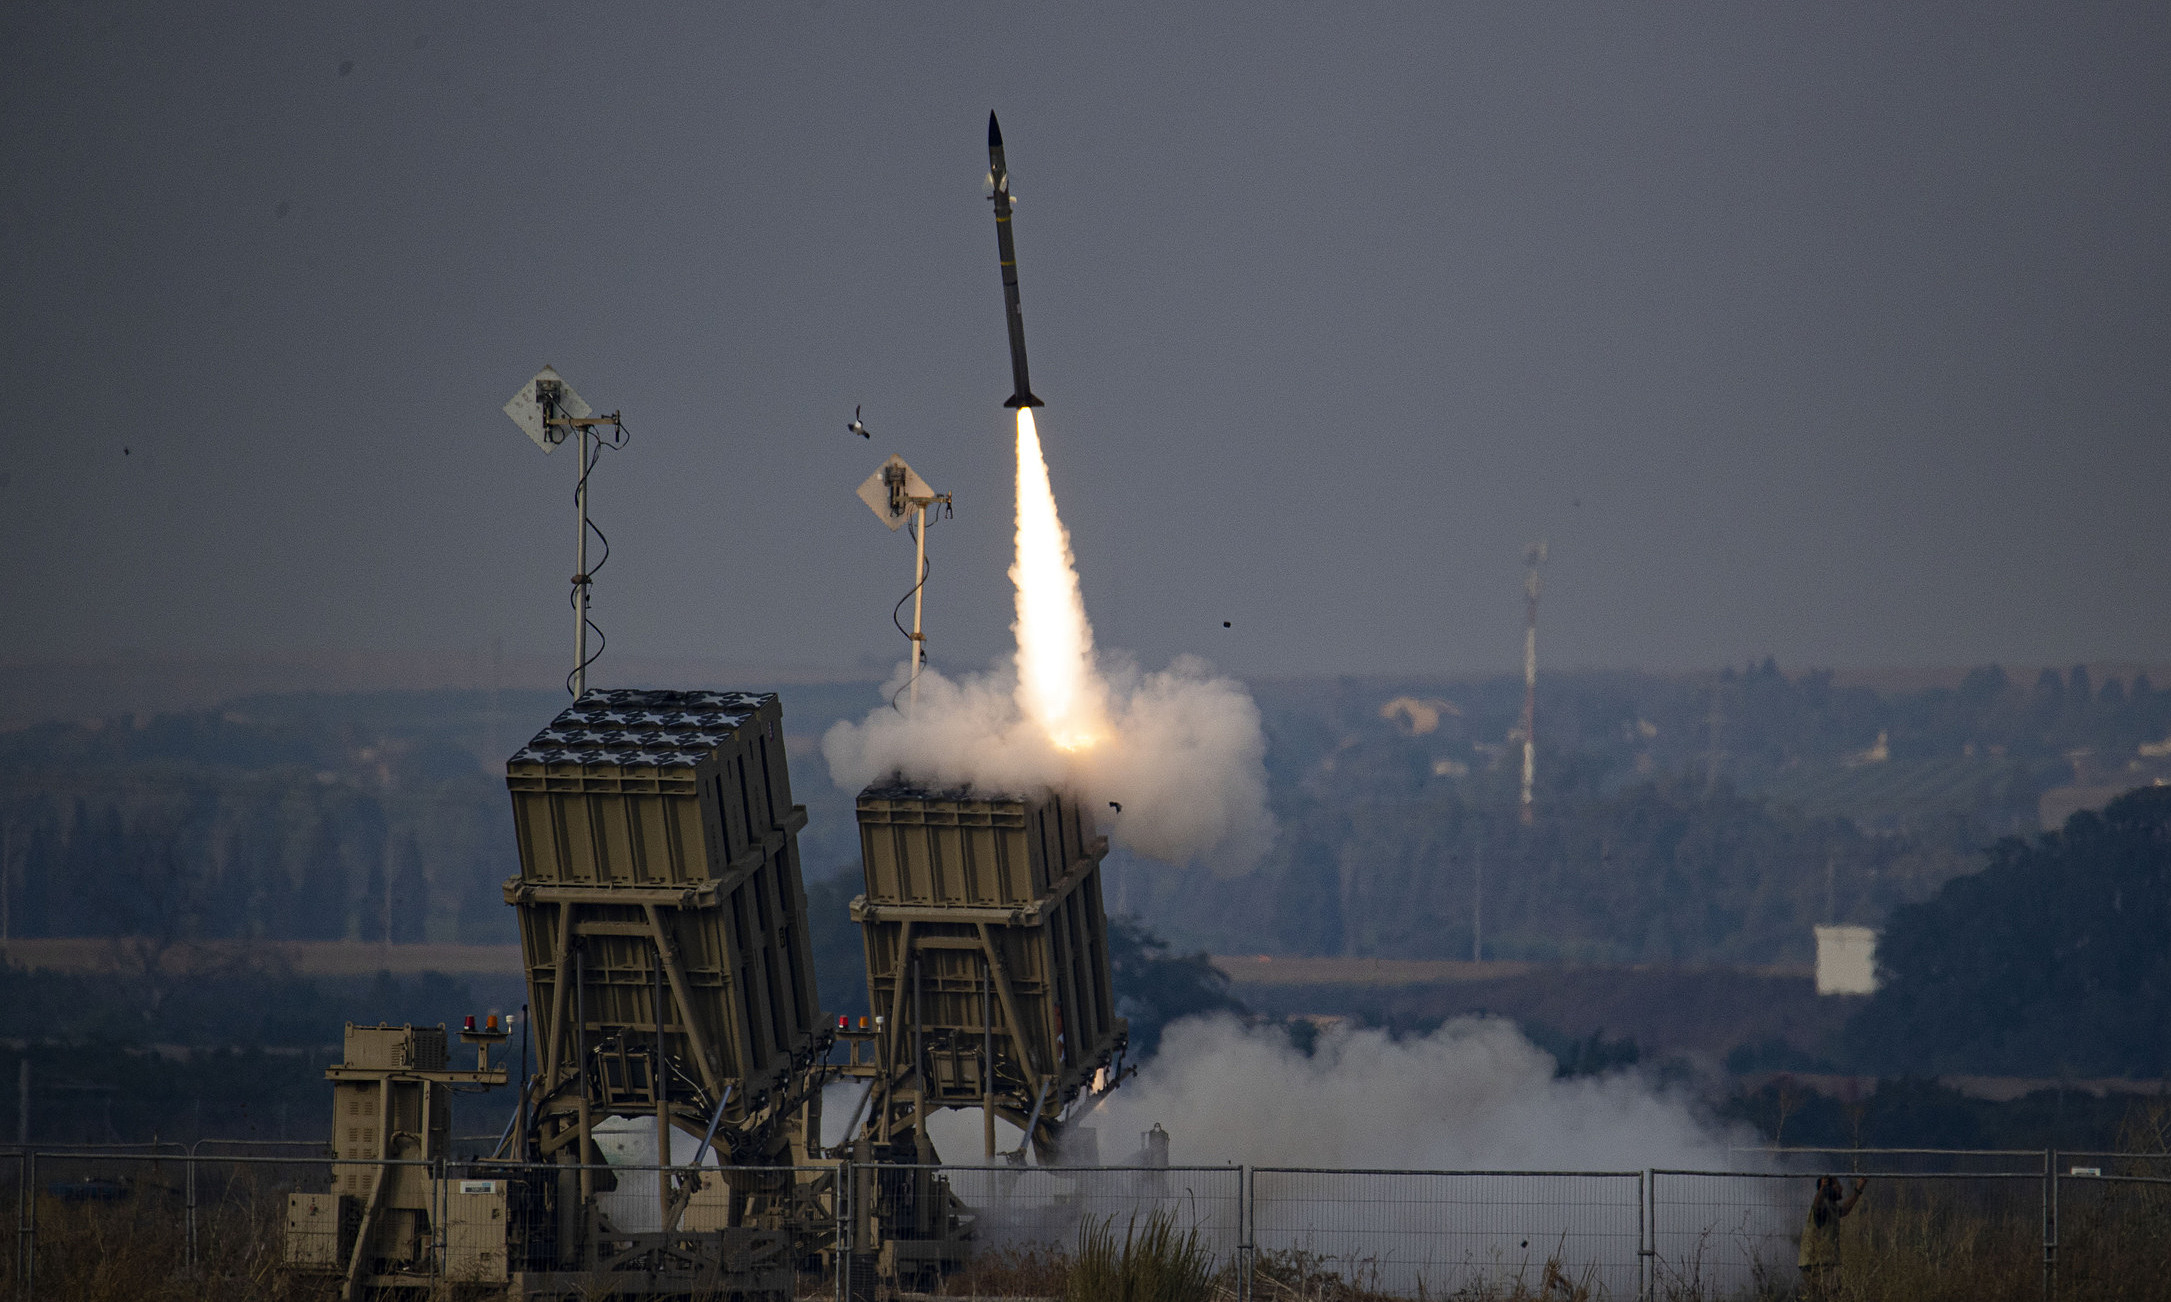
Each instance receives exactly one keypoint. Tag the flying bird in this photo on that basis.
(856, 428)
(1115, 806)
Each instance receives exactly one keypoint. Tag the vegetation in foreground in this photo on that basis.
(1912, 1241)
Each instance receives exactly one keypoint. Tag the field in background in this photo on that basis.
(1249, 970)
(331, 958)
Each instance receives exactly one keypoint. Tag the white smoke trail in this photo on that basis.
(1180, 751)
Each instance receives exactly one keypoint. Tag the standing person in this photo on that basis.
(1819, 1259)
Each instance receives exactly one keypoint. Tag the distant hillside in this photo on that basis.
(1679, 819)
(2052, 959)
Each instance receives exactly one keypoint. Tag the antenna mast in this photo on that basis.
(1715, 722)
(1534, 561)
(896, 494)
(548, 410)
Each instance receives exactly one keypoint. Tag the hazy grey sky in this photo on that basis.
(1833, 333)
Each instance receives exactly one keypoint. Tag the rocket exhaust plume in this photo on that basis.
(1057, 686)
(1180, 751)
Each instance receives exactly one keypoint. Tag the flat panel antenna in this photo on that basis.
(896, 493)
(541, 398)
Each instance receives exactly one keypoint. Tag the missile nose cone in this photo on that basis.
(995, 132)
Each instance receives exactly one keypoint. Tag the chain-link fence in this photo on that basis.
(1048, 1207)
(1908, 1235)
(153, 1224)
(2111, 1218)
(1448, 1233)
(271, 1223)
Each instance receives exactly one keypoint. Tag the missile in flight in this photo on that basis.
(1021, 386)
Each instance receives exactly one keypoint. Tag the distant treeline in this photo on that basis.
(1659, 872)
(182, 853)
(1678, 819)
(236, 1051)
(1913, 1112)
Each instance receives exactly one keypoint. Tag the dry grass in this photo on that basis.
(135, 1250)
(1298, 1276)
(1910, 1241)
(1011, 1272)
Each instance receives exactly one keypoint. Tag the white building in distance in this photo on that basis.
(1846, 961)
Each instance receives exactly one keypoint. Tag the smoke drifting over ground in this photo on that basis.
(1473, 1097)
(1475, 1094)
(1183, 754)
(1409, 1169)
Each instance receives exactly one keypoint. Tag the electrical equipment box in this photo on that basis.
(319, 1231)
(396, 1048)
(391, 1085)
(475, 1230)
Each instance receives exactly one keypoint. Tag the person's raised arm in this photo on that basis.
(1860, 1183)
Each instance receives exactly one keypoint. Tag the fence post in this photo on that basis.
(1245, 1245)
(843, 1253)
(1646, 1235)
(2050, 1223)
(26, 1229)
(189, 1220)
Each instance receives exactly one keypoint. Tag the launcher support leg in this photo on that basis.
(554, 1050)
(891, 1038)
(1010, 1003)
(677, 974)
(987, 1063)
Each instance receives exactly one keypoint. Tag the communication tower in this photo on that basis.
(1534, 563)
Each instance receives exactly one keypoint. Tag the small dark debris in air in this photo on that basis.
(1115, 806)
(346, 66)
(125, 452)
(1225, 623)
(1526, 1243)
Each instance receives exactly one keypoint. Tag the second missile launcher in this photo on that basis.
(987, 955)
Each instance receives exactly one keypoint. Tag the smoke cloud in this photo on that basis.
(1183, 754)
(1474, 1094)
(1474, 1097)
(1410, 1168)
